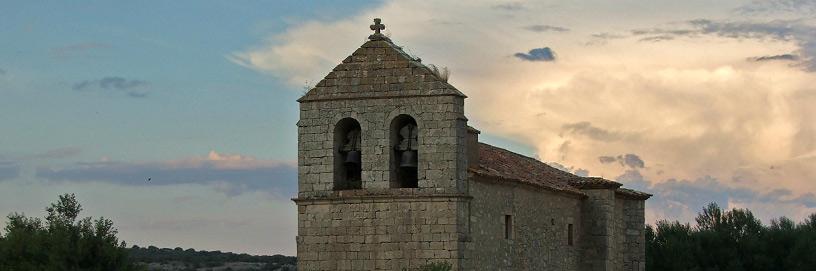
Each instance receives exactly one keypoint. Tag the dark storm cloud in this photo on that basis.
(9, 170)
(277, 178)
(783, 57)
(515, 6)
(545, 28)
(129, 87)
(586, 128)
(537, 54)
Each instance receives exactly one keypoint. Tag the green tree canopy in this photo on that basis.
(61, 241)
(731, 240)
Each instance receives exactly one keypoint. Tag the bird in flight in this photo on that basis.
(148, 179)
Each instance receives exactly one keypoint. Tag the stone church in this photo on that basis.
(390, 176)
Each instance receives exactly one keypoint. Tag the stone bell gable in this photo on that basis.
(372, 89)
(379, 69)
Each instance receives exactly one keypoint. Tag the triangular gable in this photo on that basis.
(379, 69)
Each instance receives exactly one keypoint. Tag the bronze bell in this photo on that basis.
(352, 159)
(408, 159)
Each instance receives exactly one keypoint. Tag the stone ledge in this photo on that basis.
(357, 96)
(369, 198)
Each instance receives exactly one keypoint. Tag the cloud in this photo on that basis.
(9, 170)
(797, 31)
(784, 57)
(585, 128)
(603, 37)
(2, 72)
(231, 174)
(658, 38)
(778, 6)
(537, 54)
(545, 28)
(692, 107)
(577, 171)
(682, 199)
(629, 160)
(607, 159)
(132, 88)
(581, 172)
(514, 6)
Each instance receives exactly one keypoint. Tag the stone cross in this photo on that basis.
(377, 26)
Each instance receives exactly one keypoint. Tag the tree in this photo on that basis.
(731, 240)
(61, 241)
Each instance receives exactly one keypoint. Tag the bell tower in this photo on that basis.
(382, 164)
(381, 120)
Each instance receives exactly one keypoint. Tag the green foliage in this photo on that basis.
(205, 259)
(731, 240)
(62, 241)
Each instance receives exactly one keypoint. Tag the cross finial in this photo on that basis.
(377, 27)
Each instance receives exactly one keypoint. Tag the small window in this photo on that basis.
(569, 234)
(508, 227)
(552, 221)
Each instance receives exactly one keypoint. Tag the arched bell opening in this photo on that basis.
(347, 155)
(404, 152)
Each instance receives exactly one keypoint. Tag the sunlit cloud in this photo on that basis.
(676, 91)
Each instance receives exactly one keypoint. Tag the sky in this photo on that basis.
(693, 101)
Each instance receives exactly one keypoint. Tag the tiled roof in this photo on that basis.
(501, 164)
(632, 194)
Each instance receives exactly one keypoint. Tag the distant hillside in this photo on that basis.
(153, 258)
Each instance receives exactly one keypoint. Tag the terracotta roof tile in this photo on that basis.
(498, 163)
(632, 194)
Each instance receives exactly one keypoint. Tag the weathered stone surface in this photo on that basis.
(540, 225)
(457, 211)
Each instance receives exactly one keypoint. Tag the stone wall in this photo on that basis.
(540, 223)
(441, 151)
(630, 245)
(379, 227)
(597, 242)
(379, 233)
